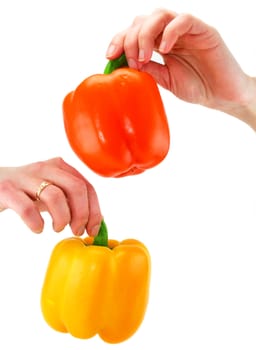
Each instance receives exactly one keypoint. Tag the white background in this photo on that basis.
(196, 211)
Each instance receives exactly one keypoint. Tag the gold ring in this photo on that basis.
(41, 187)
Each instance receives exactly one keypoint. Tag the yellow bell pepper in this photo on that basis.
(90, 288)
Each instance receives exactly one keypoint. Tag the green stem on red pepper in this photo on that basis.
(102, 237)
(119, 62)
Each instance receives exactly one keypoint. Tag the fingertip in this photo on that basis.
(37, 230)
(163, 47)
(58, 229)
(132, 63)
(94, 230)
(79, 231)
(111, 51)
(114, 51)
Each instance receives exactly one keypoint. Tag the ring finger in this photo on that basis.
(52, 198)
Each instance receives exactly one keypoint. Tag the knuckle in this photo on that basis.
(160, 11)
(37, 167)
(59, 161)
(186, 17)
(6, 186)
(27, 210)
(162, 15)
(54, 195)
(138, 19)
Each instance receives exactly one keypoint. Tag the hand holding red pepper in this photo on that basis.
(116, 122)
(197, 66)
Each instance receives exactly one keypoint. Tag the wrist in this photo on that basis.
(245, 108)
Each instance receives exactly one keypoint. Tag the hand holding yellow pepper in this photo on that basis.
(97, 286)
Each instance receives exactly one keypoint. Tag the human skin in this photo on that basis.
(70, 199)
(195, 60)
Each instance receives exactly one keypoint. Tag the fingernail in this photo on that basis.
(59, 229)
(132, 63)
(37, 231)
(163, 46)
(80, 231)
(111, 50)
(141, 57)
(95, 230)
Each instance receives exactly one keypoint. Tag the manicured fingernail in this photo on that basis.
(80, 231)
(95, 230)
(111, 50)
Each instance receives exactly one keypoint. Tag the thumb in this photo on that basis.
(159, 72)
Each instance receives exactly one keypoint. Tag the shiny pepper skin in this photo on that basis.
(91, 289)
(116, 123)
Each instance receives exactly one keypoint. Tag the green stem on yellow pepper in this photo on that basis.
(115, 64)
(102, 237)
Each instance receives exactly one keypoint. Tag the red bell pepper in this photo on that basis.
(116, 122)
